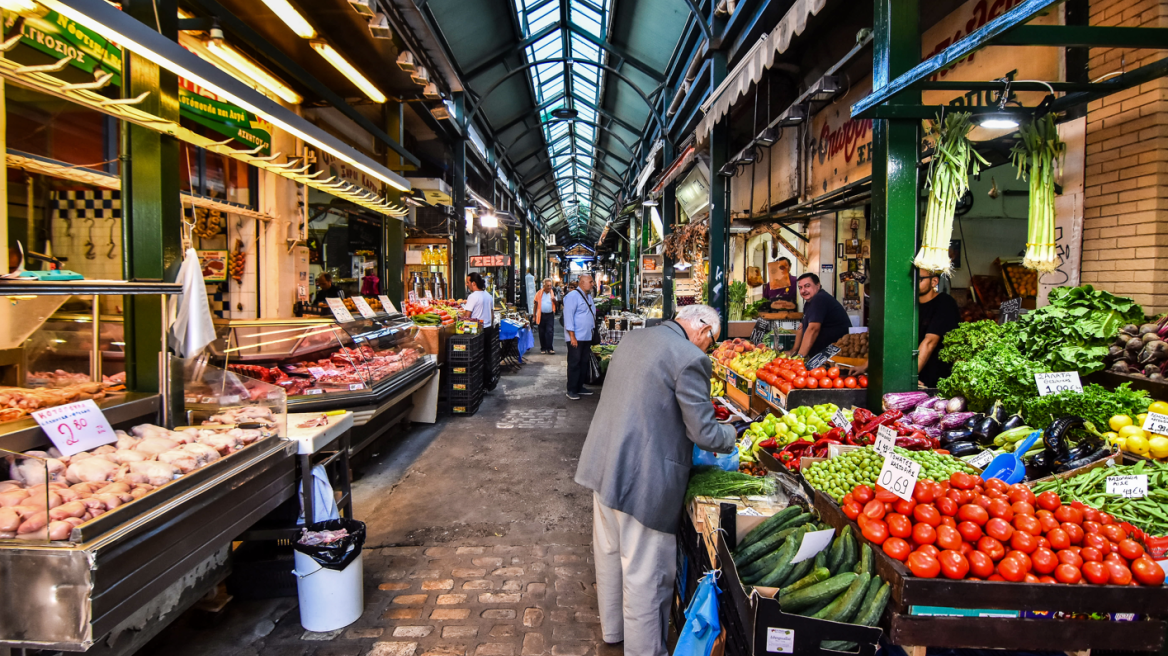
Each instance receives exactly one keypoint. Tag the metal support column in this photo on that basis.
(668, 211)
(719, 193)
(511, 269)
(150, 196)
(394, 257)
(524, 233)
(892, 362)
(458, 189)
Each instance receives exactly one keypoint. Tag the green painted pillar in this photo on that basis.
(524, 233)
(394, 258)
(719, 219)
(667, 207)
(892, 360)
(150, 192)
(458, 189)
(510, 296)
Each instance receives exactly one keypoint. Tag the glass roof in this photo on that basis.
(571, 143)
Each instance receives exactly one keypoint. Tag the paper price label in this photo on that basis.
(316, 372)
(780, 641)
(387, 304)
(339, 310)
(429, 295)
(75, 427)
(841, 421)
(813, 542)
(353, 387)
(425, 301)
(1058, 381)
(1129, 487)
(1156, 423)
(313, 391)
(982, 459)
(899, 475)
(885, 440)
(363, 307)
(828, 353)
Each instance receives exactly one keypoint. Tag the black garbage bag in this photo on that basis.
(338, 554)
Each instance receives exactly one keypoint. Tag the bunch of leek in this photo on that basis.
(954, 159)
(1038, 157)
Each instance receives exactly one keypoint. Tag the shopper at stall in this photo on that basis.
(479, 304)
(937, 314)
(325, 289)
(783, 286)
(545, 316)
(579, 320)
(636, 460)
(824, 319)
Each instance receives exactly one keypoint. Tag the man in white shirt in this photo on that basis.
(479, 303)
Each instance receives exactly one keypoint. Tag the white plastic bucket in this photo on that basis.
(329, 599)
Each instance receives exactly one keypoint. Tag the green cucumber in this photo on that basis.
(821, 559)
(867, 560)
(817, 575)
(851, 553)
(873, 608)
(770, 525)
(782, 566)
(845, 606)
(821, 592)
(835, 553)
(769, 543)
(808, 612)
(798, 571)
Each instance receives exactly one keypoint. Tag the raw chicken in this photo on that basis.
(71, 509)
(122, 456)
(126, 441)
(245, 435)
(60, 530)
(204, 453)
(155, 445)
(224, 443)
(5, 486)
(110, 500)
(117, 487)
(13, 497)
(36, 498)
(154, 473)
(33, 522)
(104, 449)
(186, 461)
(86, 489)
(91, 470)
(31, 471)
(9, 520)
(150, 430)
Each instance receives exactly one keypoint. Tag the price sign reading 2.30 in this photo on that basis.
(899, 475)
(75, 427)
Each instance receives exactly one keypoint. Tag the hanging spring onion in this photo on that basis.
(1038, 158)
(954, 159)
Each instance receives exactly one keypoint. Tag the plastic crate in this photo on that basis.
(464, 408)
(464, 349)
(464, 369)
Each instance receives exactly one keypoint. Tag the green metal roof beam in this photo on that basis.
(612, 117)
(618, 51)
(1116, 84)
(499, 56)
(1084, 36)
(700, 19)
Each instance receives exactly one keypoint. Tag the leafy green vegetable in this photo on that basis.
(999, 371)
(968, 339)
(1096, 404)
(714, 482)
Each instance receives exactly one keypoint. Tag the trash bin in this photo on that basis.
(329, 576)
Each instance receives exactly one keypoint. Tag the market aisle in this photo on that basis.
(478, 541)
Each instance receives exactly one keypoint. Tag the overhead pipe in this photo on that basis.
(691, 74)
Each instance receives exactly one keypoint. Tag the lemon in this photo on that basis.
(1118, 441)
(1159, 407)
(1158, 446)
(1137, 444)
(1119, 422)
(1141, 418)
(1109, 436)
(1128, 431)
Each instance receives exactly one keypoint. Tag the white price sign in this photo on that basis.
(899, 475)
(387, 304)
(885, 440)
(780, 641)
(841, 421)
(363, 307)
(1058, 381)
(1131, 487)
(982, 459)
(339, 310)
(1156, 423)
(75, 427)
(316, 372)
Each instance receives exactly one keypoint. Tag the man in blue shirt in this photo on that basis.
(579, 320)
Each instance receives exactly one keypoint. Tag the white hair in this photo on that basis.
(701, 314)
(546, 281)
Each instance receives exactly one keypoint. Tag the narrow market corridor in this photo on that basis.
(478, 542)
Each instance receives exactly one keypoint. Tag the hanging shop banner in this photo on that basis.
(490, 260)
(205, 108)
(346, 172)
(58, 37)
(840, 148)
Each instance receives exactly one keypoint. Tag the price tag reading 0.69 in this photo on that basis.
(899, 475)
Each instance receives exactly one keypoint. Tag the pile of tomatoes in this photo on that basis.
(967, 528)
(787, 374)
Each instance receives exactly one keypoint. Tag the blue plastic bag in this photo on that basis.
(701, 620)
(724, 461)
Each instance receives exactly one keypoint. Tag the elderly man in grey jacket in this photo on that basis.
(654, 407)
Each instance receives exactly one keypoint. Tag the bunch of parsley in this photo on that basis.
(968, 339)
(998, 371)
(1096, 404)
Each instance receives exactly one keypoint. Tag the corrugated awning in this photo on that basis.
(759, 58)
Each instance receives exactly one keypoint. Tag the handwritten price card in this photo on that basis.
(75, 427)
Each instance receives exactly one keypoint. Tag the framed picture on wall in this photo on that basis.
(852, 247)
(866, 249)
(851, 290)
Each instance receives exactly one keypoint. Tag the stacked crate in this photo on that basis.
(462, 375)
(493, 358)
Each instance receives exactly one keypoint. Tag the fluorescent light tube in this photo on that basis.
(292, 18)
(348, 70)
(243, 64)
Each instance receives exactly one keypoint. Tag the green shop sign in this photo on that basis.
(224, 118)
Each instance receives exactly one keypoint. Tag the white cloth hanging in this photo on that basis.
(192, 329)
(324, 502)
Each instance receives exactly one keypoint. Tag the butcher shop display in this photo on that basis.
(347, 369)
(48, 494)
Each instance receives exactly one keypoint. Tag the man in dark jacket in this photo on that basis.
(655, 405)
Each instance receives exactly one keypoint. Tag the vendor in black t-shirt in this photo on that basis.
(325, 289)
(938, 314)
(824, 319)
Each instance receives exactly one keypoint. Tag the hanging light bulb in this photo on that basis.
(489, 221)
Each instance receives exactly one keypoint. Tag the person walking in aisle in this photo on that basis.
(545, 316)
(579, 319)
(636, 460)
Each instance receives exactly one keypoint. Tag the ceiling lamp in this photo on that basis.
(379, 27)
(565, 113)
(363, 7)
(431, 92)
(768, 137)
(420, 76)
(348, 70)
(406, 62)
(997, 121)
(251, 70)
(489, 221)
(292, 18)
(794, 115)
(440, 112)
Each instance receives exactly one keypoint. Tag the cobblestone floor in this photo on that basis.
(478, 543)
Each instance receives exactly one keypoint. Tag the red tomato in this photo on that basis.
(1114, 557)
(1047, 579)
(999, 529)
(1044, 561)
(906, 507)
(1091, 554)
(948, 521)
(1074, 532)
(852, 510)
(1028, 524)
(972, 513)
(924, 534)
(995, 577)
(1090, 514)
(1130, 549)
(980, 565)
(1000, 508)
(851, 383)
(898, 525)
(885, 495)
(1058, 538)
(863, 493)
(1068, 514)
(1049, 501)
(927, 514)
(800, 382)
(1022, 508)
(875, 531)
(863, 380)
(1019, 492)
(945, 505)
(1099, 542)
(833, 373)
(1091, 527)
(838, 383)
(997, 485)
(991, 548)
(948, 538)
(1021, 558)
(1048, 522)
(1147, 572)
(1105, 519)
(848, 498)
(966, 549)
(1114, 532)
(818, 372)
(929, 549)
(1030, 578)
(897, 548)
(969, 531)
(1011, 569)
(953, 564)
(982, 500)
(961, 481)
(1024, 542)
(874, 509)
(1070, 558)
(924, 566)
(1065, 573)
(923, 492)
(812, 383)
(1096, 573)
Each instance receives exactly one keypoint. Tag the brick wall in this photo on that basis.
(1125, 228)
